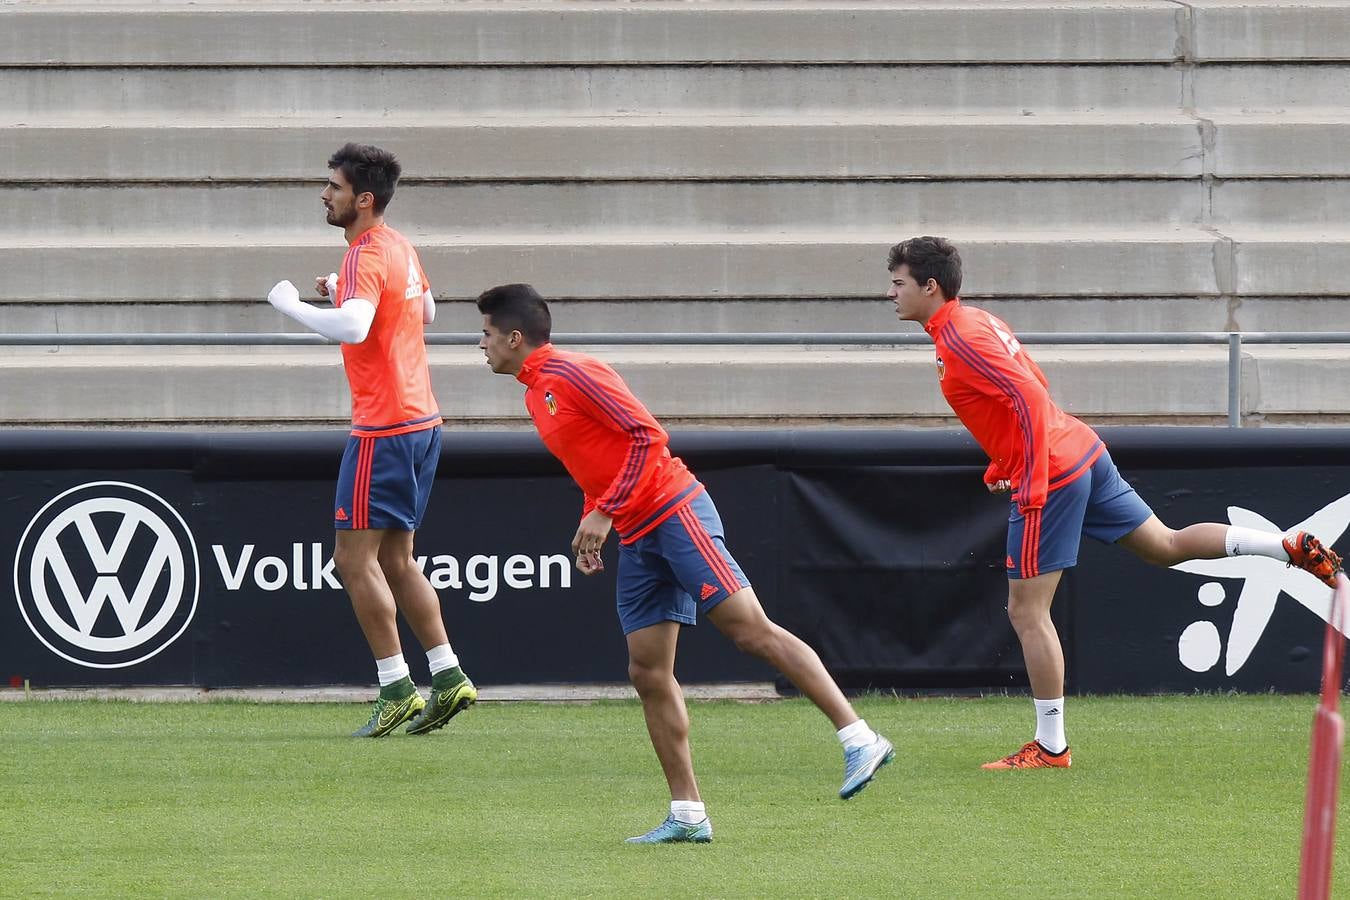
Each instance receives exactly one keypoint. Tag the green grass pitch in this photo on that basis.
(1168, 797)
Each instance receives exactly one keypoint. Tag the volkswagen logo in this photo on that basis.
(107, 575)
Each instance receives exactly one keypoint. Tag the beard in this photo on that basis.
(342, 219)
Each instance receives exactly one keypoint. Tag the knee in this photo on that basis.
(1162, 553)
(1025, 615)
(395, 565)
(350, 563)
(758, 640)
(647, 679)
(1157, 545)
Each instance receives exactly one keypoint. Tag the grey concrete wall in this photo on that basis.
(1106, 165)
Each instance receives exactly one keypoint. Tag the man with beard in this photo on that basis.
(381, 303)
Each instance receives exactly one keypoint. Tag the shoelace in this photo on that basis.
(1322, 555)
(1321, 559)
(1023, 756)
(1331, 557)
(670, 824)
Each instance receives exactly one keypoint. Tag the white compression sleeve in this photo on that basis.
(349, 323)
(428, 308)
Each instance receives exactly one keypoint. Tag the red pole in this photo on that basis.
(1324, 760)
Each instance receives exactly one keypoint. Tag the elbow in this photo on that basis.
(355, 336)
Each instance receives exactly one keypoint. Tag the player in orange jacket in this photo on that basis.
(381, 302)
(673, 559)
(1062, 481)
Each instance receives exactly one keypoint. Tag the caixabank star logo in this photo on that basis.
(107, 575)
(1264, 581)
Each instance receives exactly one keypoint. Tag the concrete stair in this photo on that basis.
(764, 386)
(1132, 165)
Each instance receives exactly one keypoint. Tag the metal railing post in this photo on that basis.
(1234, 379)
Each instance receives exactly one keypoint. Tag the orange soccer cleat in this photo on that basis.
(1033, 756)
(1307, 553)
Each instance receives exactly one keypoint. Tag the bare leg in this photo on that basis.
(413, 593)
(356, 555)
(1029, 602)
(1155, 543)
(651, 668)
(742, 618)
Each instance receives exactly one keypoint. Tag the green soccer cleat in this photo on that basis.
(444, 706)
(389, 714)
(672, 831)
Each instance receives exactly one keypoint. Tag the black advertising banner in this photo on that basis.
(147, 559)
(898, 576)
(216, 570)
(896, 571)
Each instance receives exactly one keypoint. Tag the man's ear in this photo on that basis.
(365, 200)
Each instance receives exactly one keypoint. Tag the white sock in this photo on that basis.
(1239, 541)
(441, 658)
(391, 669)
(688, 812)
(1050, 725)
(856, 734)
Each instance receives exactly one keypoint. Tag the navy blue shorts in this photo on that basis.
(1098, 503)
(684, 557)
(385, 482)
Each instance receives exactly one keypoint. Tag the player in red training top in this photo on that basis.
(673, 559)
(381, 303)
(1062, 481)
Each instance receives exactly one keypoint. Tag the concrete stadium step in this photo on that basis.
(1309, 203)
(1261, 86)
(217, 32)
(1300, 145)
(281, 386)
(34, 95)
(697, 208)
(1156, 145)
(662, 147)
(653, 265)
(1304, 30)
(860, 315)
(1270, 261)
(1182, 263)
(1250, 278)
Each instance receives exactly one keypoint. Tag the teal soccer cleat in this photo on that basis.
(861, 763)
(674, 832)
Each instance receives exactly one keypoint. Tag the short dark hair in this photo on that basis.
(518, 307)
(929, 257)
(370, 169)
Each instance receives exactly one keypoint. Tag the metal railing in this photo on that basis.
(1233, 339)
